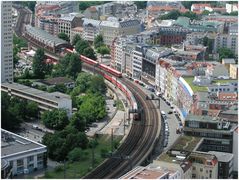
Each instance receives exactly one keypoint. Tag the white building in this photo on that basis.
(113, 28)
(24, 155)
(226, 41)
(45, 100)
(137, 63)
(6, 42)
(231, 7)
(235, 150)
(90, 29)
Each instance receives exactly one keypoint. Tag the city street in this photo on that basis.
(173, 122)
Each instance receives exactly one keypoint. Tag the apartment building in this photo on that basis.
(218, 132)
(45, 101)
(225, 164)
(226, 41)
(74, 31)
(199, 8)
(227, 20)
(204, 165)
(90, 29)
(67, 22)
(235, 150)
(231, 7)
(23, 155)
(6, 42)
(112, 28)
(233, 71)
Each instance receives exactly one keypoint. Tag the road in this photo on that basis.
(173, 122)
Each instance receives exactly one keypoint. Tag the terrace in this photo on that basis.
(194, 87)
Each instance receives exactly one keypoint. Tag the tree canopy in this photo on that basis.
(98, 41)
(62, 142)
(103, 50)
(141, 4)
(174, 14)
(81, 45)
(39, 66)
(225, 53)
(63, 36)
(90, 53)
(70, 65)
(56, 119)
(75, 39)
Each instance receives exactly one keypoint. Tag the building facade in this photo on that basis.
(45, 101)
(23, 155)
(90, 29)
(6, 42)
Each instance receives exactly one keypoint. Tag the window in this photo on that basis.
(201, 170)
(194, 176)
(20, 162)
(194, 168)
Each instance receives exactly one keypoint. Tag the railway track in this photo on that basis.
(141, 139)
(138, 144)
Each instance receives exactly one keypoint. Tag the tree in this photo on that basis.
(97, 85)
(225, 53)
(90, 53)
(56, 119)
(141, 4)
(103, 50)
(77, 122)
(205, 12)
(98, 41)
(74, 66)
(76, 154)
(32, 109)
(209, 43)
(83, 82)
(81, 45)
(70, 65)
(234, 13)
(39, 66)
(75, 39)
(174, 14)
(63, 36)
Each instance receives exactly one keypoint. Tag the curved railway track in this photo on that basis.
(138, 144)
(141, 139)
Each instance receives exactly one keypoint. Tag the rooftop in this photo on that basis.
(13, 144)
(194, 87)
(145, 173)
(222, 156)
(229, 60)
(55, 96)
(187, 143)
(43, 35)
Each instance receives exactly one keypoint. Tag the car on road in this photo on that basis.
(170, 112)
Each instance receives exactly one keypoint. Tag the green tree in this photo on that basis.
(76, 154)
(190, 15)
(174, 14)
(209, 43)
(81, 46)
(234, 13)
(97, 85)
(39, 66)
(98, 41)
(56, 119)
(83, 81)
(77, 122)
(63, 36)
(141, 4)
(103, 50)
(75, 39)
(32, 109)
(205, 12)
(74, 66)
(225, 53)
(90, 53)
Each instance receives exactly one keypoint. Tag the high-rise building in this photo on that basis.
(6, 42)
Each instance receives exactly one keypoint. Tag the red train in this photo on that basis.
(99, 65)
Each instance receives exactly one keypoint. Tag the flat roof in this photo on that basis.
(222, 156)
(13, 144)
(45, 36)
(187, 143)
(145, 173)
(55, 96)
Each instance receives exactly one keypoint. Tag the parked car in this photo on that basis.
(170, 112)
